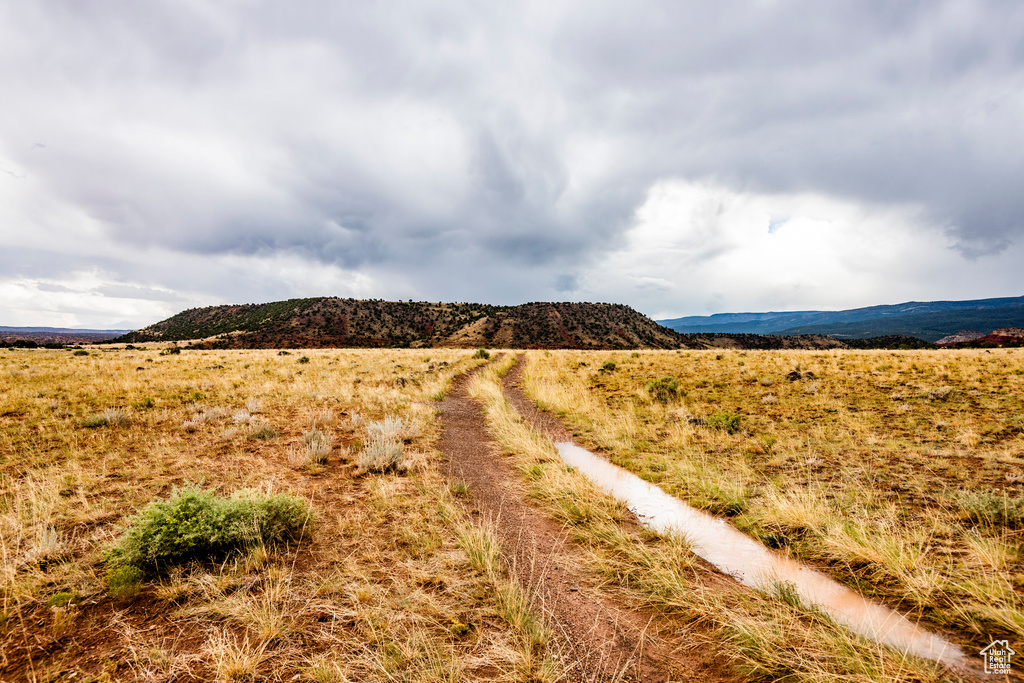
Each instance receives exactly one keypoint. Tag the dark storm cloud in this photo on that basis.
(478, 150)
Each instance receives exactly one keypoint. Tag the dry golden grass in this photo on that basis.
(761, 636)
(387, 588)
(901, 473)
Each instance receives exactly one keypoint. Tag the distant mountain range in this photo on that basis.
(57, 335)
(929, 320)
(58, 330)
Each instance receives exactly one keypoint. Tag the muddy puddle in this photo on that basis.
(754, 565)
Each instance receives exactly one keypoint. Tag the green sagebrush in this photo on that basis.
(991, 509)
(125, 582)
(198, 524)
(664, 390)
(726, 422)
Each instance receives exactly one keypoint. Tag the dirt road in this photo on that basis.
(598, 638)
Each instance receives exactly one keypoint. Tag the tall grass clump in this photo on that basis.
(260, 431)
(110, 417)
(394, 428)
(316, 448)
(381, 454)
(198, 524)
(318, 445)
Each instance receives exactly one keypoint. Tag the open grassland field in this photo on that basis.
(899, 473)
(282, 516)
(304, 532)
(757, 635)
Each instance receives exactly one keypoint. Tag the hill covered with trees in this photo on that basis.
(333, 322)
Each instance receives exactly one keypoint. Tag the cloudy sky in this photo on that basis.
(680, 157)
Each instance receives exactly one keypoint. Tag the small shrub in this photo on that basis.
(990, 509)
(482, 353)
(663, 390)
(459, 630)
(261, 431)
(608, 366)
(726, 422)
(48, 544)
(302, 359)
(395, 428)
(297, 458)
(94, 421)
(313, 454)
(942, 394)
(318, 446)
(171, 351)
(1014, 424)
(381, 454)
(63, 599)
(80, 352)
(114, 417)
(197, 524)
(124, 582)
(313, 435)
(197, 420)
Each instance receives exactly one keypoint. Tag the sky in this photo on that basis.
(683, 158)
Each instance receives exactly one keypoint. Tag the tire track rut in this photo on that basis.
(598, 638)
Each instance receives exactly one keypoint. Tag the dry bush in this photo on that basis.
(316, 448)
(381, 454)
(260, 430)
(109, 417)
(394, 428)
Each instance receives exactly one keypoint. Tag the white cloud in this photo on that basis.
(197, 152)
(135, 294)
(699, 247)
